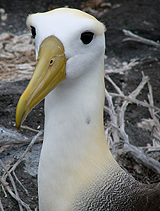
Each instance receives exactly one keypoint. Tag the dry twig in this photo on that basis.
(10, 137)
(132, 100)
(29, 128)
(26, 191)
(1, 206)
(117, 126)
(140, 39)
(28, 148)
(8, 173)
(142, 157)
(122, 67)
(14, 195)
(14, 186)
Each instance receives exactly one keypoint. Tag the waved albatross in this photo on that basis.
(76, 169)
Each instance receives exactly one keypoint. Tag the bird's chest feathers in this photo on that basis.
(72, 153)
(68, 165)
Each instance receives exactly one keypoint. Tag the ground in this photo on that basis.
(140, 17)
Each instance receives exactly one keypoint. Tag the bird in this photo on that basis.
(77, 171)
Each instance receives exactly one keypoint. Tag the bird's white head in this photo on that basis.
(69, 43)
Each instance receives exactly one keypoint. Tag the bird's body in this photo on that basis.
(77, 170)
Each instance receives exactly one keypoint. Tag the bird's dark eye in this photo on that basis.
(87, 37)
(33, 31)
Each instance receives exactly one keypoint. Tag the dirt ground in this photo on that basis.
(139, 16)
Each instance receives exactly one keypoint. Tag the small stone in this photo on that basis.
(4, 17)
(4, 36)
(138, 169)
(3, 24)
(2, 10)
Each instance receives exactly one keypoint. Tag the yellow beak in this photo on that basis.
(48, 73)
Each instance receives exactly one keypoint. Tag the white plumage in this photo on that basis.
(76, 170)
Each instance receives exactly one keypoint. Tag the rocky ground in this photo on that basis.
(124, 63)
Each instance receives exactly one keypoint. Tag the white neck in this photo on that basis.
(74, 147)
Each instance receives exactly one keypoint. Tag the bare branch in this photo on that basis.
(28, 148)
(136, 92)
(118, 125)
(14, 195)
(140, 39)
(1, 206)
(13, 184)
(112, 114)
(120, 69)
(26, 191)
(151, 109)
(141, 157)
(9, 137)
(138, 102)
(125, 104)
(115, 86)
(29, 128)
